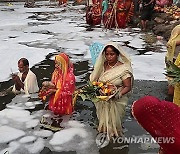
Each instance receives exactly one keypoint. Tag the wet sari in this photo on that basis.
(121, 14)
(111, 112)
(118, 14)
(93, 14)
(160, 119)
(176, 98)
(64, 80)
(171, 45)
(109, 17)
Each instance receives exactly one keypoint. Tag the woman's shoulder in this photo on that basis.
(126, 67)
(120, 63)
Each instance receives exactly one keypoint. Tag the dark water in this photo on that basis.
(87, 112)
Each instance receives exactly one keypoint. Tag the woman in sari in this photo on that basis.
(173, 55)
(61, 87)
(104, 6)
(118, 14)
(160, 119)
(93, 14)
(112, 66)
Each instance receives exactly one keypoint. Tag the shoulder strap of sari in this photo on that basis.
(121, 74)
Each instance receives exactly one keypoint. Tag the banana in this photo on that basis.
(102, 97)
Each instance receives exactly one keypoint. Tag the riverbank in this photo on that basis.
(163, 25)
(162, 22)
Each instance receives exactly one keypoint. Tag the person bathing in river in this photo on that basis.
(25, 81)
(112, 66)
(146, 9)
(173, 55)
(61, 87)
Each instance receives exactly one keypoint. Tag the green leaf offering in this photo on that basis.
(173, 72)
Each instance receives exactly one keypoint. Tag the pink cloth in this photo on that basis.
(160, 119)
(163, 2)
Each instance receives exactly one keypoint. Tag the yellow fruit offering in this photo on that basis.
(102, 97)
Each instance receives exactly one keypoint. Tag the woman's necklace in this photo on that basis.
(113, 65)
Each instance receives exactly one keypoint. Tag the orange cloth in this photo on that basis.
(64, 80)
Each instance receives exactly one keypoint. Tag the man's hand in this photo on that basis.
(18, 83)
(15, 78)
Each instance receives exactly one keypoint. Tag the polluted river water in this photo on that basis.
(39, 34)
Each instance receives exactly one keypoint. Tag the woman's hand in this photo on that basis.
(48, 84)
(52, 91)
(102, 92)
(107, 90)
(46, 92)
(126, 86)
(112, 87)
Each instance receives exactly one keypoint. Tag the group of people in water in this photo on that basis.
(118, 13)
(113, 66)
(110, 13)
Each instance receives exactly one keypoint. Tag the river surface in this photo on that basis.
(42, 32)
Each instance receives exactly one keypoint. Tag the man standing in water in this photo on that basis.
(25, 81)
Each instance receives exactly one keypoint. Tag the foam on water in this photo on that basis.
(22, 129)
(69, 36)
(43, 133)
(27, 139)
(9, 134)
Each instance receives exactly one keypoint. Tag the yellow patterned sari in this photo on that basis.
(173, 53)
(176, 98)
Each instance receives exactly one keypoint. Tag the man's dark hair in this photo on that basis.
(25, 61)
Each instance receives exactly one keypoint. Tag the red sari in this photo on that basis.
(118, 14)
(63, 78)
(93, 14)
(121, 14)
(160, 119)
(109, 18)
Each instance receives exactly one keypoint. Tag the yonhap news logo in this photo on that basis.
(137, 139)
(103, 140)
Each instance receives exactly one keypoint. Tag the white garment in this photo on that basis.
(30, 84)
